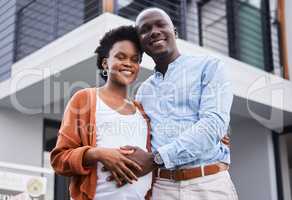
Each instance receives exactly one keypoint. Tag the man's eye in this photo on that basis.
(161, 24)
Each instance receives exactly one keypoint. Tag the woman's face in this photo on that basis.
(123, 63)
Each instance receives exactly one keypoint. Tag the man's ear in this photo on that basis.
(104, 63)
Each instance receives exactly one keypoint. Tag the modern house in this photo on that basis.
(47, 53)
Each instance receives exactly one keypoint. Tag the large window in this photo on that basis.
(246, 30)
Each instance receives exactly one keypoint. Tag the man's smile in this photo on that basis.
(157, 42)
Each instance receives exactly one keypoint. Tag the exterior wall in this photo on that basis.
(290, 176)
(252, 150)
(7, 27)
(21, 138)
(288, 13)
(252, 157)
(284, 155)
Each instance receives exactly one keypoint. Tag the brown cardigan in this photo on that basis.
(77, 134)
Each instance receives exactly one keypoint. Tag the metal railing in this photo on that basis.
(235, 28)
(41, 22)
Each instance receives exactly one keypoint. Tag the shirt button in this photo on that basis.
(158, 75)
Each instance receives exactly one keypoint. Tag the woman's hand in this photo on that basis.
(143, 158)
(115, 160)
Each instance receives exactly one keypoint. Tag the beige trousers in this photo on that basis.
(213, 187)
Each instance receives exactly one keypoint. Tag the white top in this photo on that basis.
(115, 130)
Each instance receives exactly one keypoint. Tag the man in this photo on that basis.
(188, 101)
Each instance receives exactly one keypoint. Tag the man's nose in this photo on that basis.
(154, 32)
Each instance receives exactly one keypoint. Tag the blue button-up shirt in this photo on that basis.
(189, 108)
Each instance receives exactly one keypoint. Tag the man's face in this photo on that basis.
(156, 33)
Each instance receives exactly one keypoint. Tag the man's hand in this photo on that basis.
(226, 140)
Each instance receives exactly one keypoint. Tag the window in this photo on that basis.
(250, 35)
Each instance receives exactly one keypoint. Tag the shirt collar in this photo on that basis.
(170, 66)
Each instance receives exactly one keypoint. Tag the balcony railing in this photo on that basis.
(43, 21)
(246, 32)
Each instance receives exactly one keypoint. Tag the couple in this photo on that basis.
(104, 141)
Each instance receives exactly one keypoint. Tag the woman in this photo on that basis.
(98, 121)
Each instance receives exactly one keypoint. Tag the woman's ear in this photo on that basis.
(104, 63)
(175, 32)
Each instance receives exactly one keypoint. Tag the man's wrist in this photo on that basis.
(157, 159)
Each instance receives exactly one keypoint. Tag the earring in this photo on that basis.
(104, 72)
(175, 33)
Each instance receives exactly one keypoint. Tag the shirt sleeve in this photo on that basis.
(214, 116)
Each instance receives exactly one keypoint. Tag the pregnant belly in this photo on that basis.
(135, 191)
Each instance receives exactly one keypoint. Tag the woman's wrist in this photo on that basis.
(91, 156)
(97, 154)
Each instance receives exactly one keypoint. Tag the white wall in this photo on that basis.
(21, 138)
(252, 157)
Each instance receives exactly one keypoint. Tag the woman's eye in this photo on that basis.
(135, 60)
(121, 57)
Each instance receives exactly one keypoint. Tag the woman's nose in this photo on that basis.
(128, 63)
